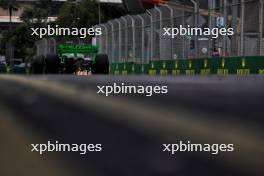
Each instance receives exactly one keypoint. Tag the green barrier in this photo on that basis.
(223, 66)
(252, 65)
(154, 68)
(260, 64)
(194, 66)
(137, 68)
(174, 67)
(203, 66)
(208, 66)
(114, 69)
(127, 68)
(18, 70)
(246, 66)
(141, 68)
(3, 69)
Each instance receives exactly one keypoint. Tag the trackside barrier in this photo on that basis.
(219, 66)
(14, 70)
(3, 69)
(17, 70)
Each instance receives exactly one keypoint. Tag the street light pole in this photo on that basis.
(196, 17)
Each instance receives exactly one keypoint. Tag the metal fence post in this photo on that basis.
(242, 27)
(261, 6)
(106, 39)
(142, 38)
(183, 38)
(46, 47)
(126, 26)
(133, 38)
(151, 34)
(210, 4)
(54, 44)
(196, 18)
(119, 40)
(234, 13)
(225, 19)
(160, 26)
(113, 38)
(171, 25)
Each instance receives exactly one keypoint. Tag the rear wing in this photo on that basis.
(76, 49)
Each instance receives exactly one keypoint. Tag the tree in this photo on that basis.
(85, 13)
(111, 11)
(78, 14)
(39, 13)
(35, 16)
(10, 5)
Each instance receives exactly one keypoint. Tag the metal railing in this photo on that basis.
(139, 39)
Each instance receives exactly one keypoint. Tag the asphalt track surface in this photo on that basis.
(131, 128)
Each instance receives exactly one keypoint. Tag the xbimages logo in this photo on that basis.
(59, 147)
(190, 31)
(182, 146)
(59, 31)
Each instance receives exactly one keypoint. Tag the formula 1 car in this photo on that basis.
(72, 59)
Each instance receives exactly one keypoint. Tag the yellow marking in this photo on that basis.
(205, 71)
(205, 63)
(176, 72)
(142, 68)
(124, 72)
(243, 71)
(163, 72)
(222, 71)
(243, 63)
(164, 64)
(133, 68)
(176, 64)
(223, 63)
(190, 64)
(261, 71)
(152, 72)
(190, 72)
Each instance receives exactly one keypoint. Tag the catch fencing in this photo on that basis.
(46, 46)
(139, 38)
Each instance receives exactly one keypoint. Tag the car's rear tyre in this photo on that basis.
(52, 64)
(38, 65)
(101, 64)
(69, 65)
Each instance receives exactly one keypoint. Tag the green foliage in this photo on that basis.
(85, 13)
(21, 37)
(9, 4)
(72, 14)
(36, 16)
(82, 14)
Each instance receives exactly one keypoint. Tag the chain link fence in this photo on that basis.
(140, 39)
(45, 47)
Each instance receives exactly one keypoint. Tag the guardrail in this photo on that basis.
(13, 70)
(206, 66)
(3, 69)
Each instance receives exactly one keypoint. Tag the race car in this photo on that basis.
(72, 59)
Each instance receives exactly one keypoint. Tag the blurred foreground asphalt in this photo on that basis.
(131, 128)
